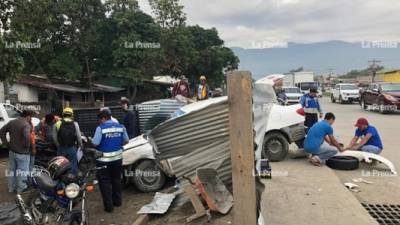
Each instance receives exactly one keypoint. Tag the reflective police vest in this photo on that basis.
(311, 104)
(112, 140)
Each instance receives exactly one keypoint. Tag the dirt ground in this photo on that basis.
(133, 200)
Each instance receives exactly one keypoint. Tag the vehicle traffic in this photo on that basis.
(382, 97)
(345, 93)
(293, 94)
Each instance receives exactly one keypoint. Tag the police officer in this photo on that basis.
(109, 138)
(312, 108)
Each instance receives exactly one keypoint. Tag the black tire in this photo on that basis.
(73, 218)
(148, 182)
(333, 99)
(340, 99)
(343, 163)
(275, 147)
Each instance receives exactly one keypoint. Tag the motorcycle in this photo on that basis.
(56, 198)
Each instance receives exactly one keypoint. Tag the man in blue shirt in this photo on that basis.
(320, 142)
(309, 102)
(109, 138)
(370, 139)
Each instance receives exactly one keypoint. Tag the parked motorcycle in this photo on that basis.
(58, 194)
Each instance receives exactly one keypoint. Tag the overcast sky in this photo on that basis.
(255, 23)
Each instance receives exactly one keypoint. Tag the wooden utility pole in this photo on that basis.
(242, 147)
(374, 67)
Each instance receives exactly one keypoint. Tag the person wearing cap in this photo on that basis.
(202, 89)
(366, 138)
(181, 88)
(130, 121)
(20, 146)
(320, 142)
(67, 138)
(109, 138)
(309, 102)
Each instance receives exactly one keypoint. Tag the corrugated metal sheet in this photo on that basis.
(201, 137)
(152, 113)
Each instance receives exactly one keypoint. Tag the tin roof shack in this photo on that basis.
(59, 93)
(198, 136)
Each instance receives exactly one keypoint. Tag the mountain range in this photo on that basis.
(338, 57)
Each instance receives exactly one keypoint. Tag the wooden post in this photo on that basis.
(242, 147)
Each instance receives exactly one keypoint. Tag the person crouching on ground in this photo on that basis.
(320, 142)
(109, 138)
(370, 139)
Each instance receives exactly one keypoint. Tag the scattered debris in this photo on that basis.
(361, 180)
(159, 205)
(369, 158)
(213, 191)
(352, 187)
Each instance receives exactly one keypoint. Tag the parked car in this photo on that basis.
(293, 94)
(383, 97)
(345, 93)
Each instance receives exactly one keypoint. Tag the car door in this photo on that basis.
(336, 91)
(374, 94)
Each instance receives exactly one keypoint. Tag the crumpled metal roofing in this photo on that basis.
(200, 138)
(152, 113)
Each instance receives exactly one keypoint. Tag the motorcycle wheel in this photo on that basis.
(74, 218)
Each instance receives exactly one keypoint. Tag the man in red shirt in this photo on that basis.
(181, 88)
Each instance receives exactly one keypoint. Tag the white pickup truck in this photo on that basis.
(345, 93)
(9, 112)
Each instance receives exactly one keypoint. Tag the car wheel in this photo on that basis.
(363, 105)
(333, 99)
(340, 99)
(148, 177)
(275, 147)
(343, 163)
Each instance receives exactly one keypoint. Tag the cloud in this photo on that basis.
(249, 23)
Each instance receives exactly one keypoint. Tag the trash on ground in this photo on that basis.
(361, 180)
(352, 187)
(160, 204)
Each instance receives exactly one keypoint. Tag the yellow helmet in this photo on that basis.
(68, 111)
(202, 77)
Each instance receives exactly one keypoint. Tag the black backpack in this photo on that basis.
(67, 134)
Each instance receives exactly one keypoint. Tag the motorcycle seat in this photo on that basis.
(45, 182)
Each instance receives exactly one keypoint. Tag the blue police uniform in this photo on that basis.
(311, 109)
(109, 139)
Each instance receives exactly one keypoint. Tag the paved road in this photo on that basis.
(303, 194)
(386, 187)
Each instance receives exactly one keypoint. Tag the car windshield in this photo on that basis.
(349, 87)
(308, 86)
(390, 87)
(292, 90)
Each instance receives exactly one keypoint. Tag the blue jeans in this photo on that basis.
(70, 154)
(326, 151)
(371, 149)
(18, 171)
